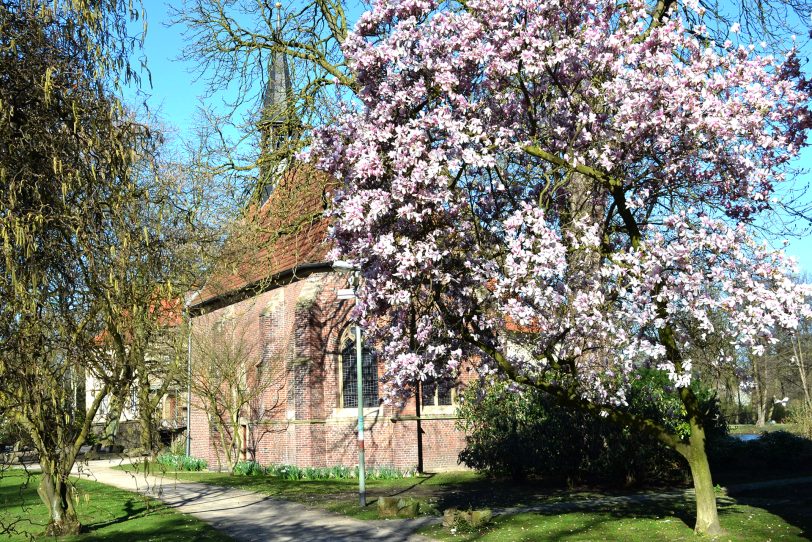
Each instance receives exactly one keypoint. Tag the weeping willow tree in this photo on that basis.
(69, 202)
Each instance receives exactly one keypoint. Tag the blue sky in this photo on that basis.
(175, 96)
(174, 93)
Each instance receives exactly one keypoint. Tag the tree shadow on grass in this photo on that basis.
(613, 518)
(375, 494)
(560, 501)
(792, 502)
(131, 511)
(505, 493)
(509, 497)
(157, 521)
(176, 529)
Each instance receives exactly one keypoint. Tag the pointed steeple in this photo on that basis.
(279, 121)
(278, 95)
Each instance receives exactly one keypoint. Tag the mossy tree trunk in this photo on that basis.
(707, 515)
(693, 450)
(146, 418)
(57, 494)
(58, 433)
(113, 421)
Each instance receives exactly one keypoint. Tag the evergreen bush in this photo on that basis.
(521, 432)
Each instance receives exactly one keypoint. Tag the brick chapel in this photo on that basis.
(275, 292)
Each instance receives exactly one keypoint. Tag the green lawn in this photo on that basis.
(757, 515)
(742, 523)
(781, 513)
(107, 514)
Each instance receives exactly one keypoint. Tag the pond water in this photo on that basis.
(747, 436)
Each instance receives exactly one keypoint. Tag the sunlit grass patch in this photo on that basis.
(106, 513)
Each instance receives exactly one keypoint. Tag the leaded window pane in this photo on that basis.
(434, 394)
(369, 370)
(443, 395)
(427, 388)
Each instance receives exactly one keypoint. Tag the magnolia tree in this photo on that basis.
(561, 193)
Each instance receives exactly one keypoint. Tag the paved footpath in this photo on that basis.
(248, 516)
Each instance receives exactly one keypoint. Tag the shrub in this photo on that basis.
(523, 433)
(781, 448)
(774, 451)
(800, 415)
(178, 445)
(248, 468)
(182, 462)
(292, 472)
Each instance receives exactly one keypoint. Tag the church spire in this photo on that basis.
(278, 122)
(278, 95)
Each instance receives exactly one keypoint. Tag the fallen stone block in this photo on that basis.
(408, 508)
(480, 517)
(388, 507)
(450, 517)
(473, 518)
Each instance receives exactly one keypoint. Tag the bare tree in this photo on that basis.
(800, 345)
(781, 374)
(238, 387)
(144, 320)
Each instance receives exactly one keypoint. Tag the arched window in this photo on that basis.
(349, 380)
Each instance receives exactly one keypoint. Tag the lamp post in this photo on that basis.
(189, 386)
(351, 293)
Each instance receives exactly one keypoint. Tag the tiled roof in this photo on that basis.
(168, 313)
(289, 230)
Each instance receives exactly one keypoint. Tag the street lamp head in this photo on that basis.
(344, 267)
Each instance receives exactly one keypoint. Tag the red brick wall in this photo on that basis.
(297, 329)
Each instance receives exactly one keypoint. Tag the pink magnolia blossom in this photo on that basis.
(536, 180)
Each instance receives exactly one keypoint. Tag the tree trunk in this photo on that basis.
(764, 410)
(707, 516)
(236, 441)
(764, 380)
(147, 437)
(113, 422)
(54, 490)
(798, 353)
(146, 419)
(740, 410)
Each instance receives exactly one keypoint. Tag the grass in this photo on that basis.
(106, 513)
(780, 513)
(757, 515)
(742, 523)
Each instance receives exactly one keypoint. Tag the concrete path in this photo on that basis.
(247, 516)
